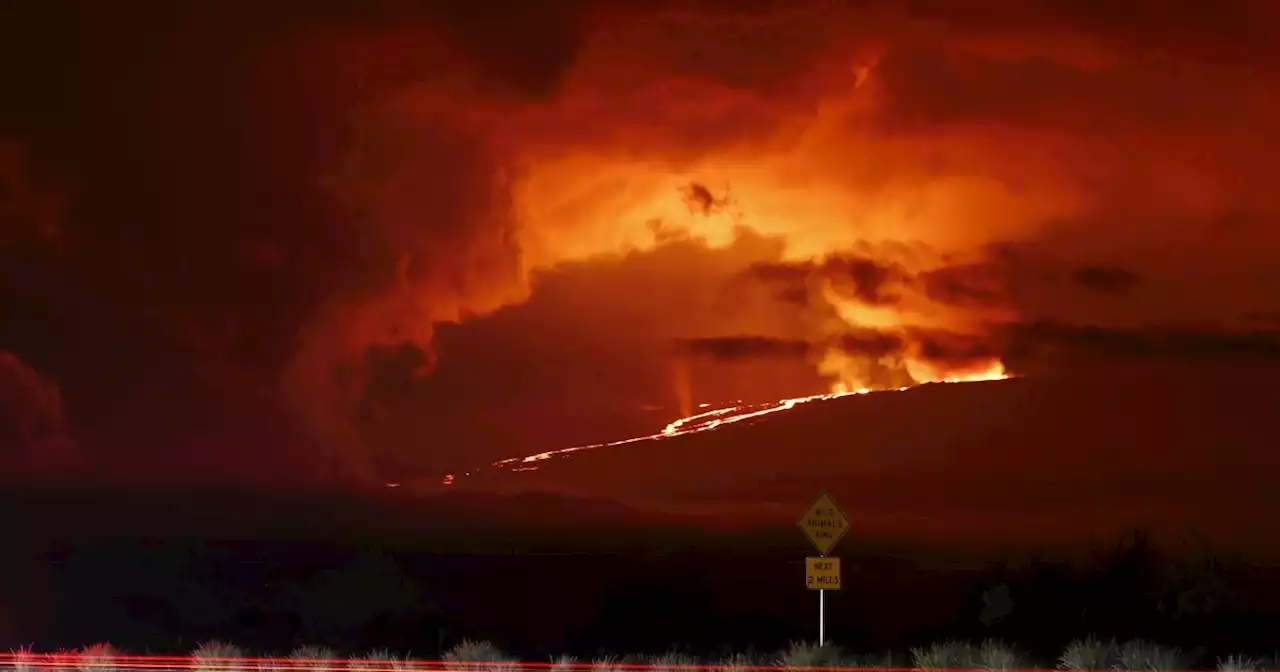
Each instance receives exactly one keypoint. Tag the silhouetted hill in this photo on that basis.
(1063, 457)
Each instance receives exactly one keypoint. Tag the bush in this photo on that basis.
(672, 660)
(607, 664)
(378, 660)
(1238, 663)
(97, 658)
(943, 655)
(308, 657)
(994, 654)
(804, 654)
(210, 656)
(24, 660)
(565, 664)
(1140, 654)
(868, 660)
(741, 662)
(1090, 653)
(476, 654)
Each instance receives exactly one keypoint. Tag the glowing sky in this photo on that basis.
(337, 240)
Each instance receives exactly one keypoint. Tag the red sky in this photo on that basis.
(318, 240)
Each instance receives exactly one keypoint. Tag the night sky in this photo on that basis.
(336, 243)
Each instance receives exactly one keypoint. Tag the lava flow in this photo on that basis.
(739, 412)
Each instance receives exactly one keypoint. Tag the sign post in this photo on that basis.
(824, 524)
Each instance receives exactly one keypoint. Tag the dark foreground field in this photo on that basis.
(159, 572)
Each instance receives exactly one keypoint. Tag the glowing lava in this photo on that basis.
(717, 418)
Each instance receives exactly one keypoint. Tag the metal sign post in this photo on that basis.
(824, 524)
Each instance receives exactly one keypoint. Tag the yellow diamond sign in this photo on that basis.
(824, 524)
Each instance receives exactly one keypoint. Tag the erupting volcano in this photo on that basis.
(726, 415)
(431, 237)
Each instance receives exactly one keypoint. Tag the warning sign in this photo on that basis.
(824, 524)
(822, 573)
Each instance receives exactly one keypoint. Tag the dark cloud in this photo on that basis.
(1267, 317)
(700, 199)
(1049, 344)
(1105, 279)
(1007, 276)
(862, 278)
(979, 285)
(869, 343)
(1067, 342)
(34, 432)
(871, 282)
(789, 282)
(744, 347)
(955, 349)
(937, 346)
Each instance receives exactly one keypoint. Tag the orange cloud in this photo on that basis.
(913, 139)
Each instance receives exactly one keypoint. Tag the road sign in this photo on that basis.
(824, 524)
(822, 573)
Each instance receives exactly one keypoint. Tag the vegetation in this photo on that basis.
(211, 656)
(1087, 654)
(97, 658)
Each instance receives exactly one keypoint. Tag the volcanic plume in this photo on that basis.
(389, 237)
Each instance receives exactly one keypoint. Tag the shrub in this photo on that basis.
(1140, 654)
(565, 664)
(476, 654)
(210, 655)
(24, 660)
(804, 654)
(607, 664)
(943, 655)
(308, 657)
(994, 654)
(97, 658)
(1090, 653)
(741, 662)
(65, 660)
(378, 660)
(672, 660)
(1239, 663)
(868, 660)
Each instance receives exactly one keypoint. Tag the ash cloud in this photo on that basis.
(279, 196)
(1171, 344)
(34, 433)
(1105, 279)
(744, 347)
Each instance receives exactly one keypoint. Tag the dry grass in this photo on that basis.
(101, 657)
(310, 657)
(473, 654)
(24, 660)
(377, 660)
(1239, 663)
(994, 654)
(211, 656)
(1090, 653)
(672, 660)
(944, 655)
(1140, 654)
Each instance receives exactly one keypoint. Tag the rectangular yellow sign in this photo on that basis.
(822, 573)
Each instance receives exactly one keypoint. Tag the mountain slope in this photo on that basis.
(1170, 447)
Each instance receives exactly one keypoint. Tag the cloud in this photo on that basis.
(744, 347)
(336, 211)
(1169, 344)
(34, 433)
(1105, 279)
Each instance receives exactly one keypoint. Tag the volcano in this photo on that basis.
(1185, 448)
